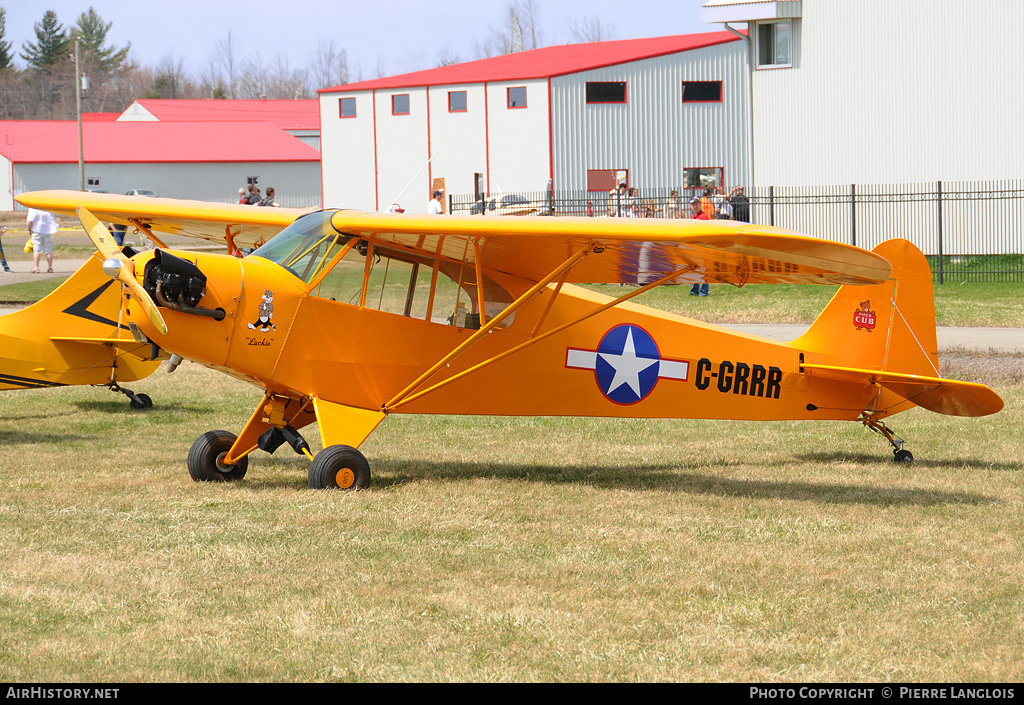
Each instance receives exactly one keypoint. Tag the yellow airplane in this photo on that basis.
(78, 335)
(345, 317)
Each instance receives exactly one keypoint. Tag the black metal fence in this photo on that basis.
(970, 231)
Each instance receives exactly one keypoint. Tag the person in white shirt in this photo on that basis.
(41, 226)
(435, 207)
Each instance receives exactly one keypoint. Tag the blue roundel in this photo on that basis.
(628, 362)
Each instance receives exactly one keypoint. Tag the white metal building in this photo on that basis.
(653, 112)
(882, 91)
(207, 161)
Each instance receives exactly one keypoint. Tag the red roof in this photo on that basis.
(545, 62)
(285, 114)
(46, 142)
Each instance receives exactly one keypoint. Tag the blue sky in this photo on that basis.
(383, 37)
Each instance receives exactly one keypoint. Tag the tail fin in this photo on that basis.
(72, 336)
(885, 334)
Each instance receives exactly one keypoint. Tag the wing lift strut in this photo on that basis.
(559, 275)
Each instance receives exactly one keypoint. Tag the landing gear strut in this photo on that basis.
(135, 401)
(900, 455)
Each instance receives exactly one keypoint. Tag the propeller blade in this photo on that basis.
(107, 246)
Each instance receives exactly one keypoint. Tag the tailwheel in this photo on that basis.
(339, 468)
(135, 401)
(206, 454)
(140, 401)
(900, 454)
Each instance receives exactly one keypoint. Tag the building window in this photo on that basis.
(703, 177)
(456, 101)
(606, 179)
(702, 91)
(606, 92)
(347, 107)
(94, 182)
(517, 97)
(775, 44)
(400, 104)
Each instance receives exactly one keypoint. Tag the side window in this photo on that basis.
(400, 104)
(775, 44)
(347, 107)
(517, 97)
(400, 283)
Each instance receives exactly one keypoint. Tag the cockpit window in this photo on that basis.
(305, 246)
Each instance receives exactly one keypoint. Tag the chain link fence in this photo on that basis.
(970, 231)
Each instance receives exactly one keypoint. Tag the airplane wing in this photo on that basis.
(626, 250)
(249, 226)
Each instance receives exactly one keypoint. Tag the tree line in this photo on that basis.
(45, 88)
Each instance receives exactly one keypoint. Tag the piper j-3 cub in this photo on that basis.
(345, 317)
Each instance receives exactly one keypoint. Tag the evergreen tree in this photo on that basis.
(91, 31)
(5, 47)
(51, 43)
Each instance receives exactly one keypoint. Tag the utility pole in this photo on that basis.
(79, 81)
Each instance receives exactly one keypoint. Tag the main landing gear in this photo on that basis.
(337, 467)
(900, 454)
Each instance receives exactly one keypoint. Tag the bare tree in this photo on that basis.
(518, 29)
(329, 66)
(588, 30)
(223, 68)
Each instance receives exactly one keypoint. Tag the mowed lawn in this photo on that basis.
(511, 549)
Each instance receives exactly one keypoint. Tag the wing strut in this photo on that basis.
(406, 396)
(484, 329)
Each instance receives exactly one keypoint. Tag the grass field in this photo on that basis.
(508, 549)
(497, 549)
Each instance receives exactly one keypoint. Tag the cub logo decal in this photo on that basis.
(864, 317)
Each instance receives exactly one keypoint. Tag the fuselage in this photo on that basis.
(628, 360)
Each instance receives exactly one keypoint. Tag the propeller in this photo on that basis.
(119, 267)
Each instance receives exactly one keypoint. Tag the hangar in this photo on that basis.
(206, 161)
(881, 91)
(651, 112)
(299, 118)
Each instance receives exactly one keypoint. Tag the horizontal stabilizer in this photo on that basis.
(943, 396)
(126, 345)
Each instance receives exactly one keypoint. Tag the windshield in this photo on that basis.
(305, 246)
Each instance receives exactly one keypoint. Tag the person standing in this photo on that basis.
(269, 200)
(740, 204)
(41, 227)
(242, 198)
(697, 213)
(3, 259)
(435, 207)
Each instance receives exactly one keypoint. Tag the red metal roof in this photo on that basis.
(46, 142)
(545, 62)
(285, 114)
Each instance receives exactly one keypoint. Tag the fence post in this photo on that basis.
(771, 206)
(853, 214)
(938, 201)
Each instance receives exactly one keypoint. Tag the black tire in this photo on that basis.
(903, 456)
(206, 453)
(141, 401)
(339, 468)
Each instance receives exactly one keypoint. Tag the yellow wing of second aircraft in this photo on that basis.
(249, 226)
(625, 250)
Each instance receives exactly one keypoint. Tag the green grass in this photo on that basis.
(971, 304)
(507, 549)
(974, 304)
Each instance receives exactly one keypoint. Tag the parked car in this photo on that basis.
(140, 192)
(511, 204)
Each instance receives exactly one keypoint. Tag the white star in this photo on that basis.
(627, 366)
